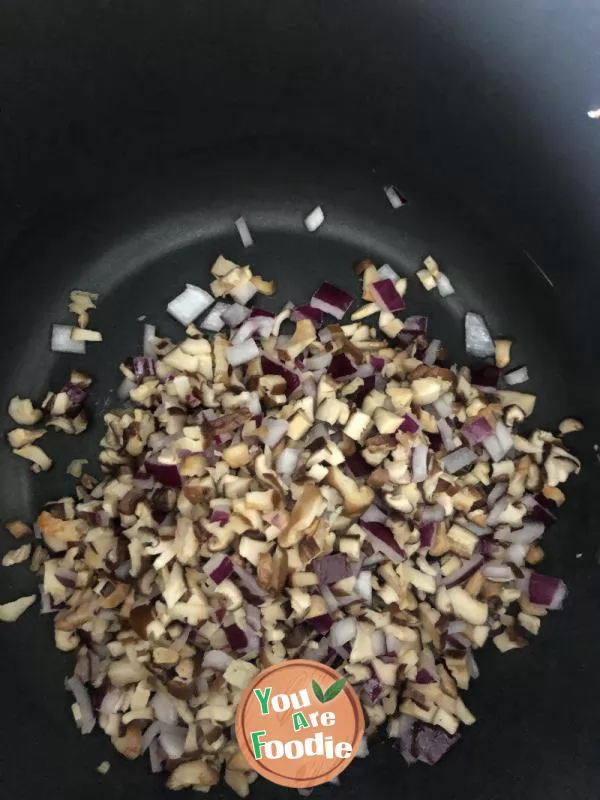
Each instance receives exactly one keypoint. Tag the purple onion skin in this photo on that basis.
(340, 367)
(427, 532)
(332, 568)
(76, 394)
(382, 532)
(333, 296)
(308, 312)
(167, 474)
(236, 637)
(322, 624)
(292, 381)
(486, 375)
(223, 571)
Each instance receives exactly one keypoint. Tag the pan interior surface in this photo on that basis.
(138, 249)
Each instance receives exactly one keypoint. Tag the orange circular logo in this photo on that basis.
(299, 724)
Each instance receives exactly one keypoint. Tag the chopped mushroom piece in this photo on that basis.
(16, 556)
(20, 437)
(334, 494)
(23, 412)
(35, 454)
(10, 612)
(18, 528)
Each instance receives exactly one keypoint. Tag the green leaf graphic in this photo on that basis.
(334, 689)
(318, 692)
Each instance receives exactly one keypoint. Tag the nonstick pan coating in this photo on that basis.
(103, 192)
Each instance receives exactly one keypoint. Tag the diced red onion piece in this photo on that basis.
(373, 514)
(504, 436)
(331, 300)
(378, 642)
(416, 323)
(419, 463)
(61, 342)
(447, 435)
(409, 424)
(343, 631)
(478, 340)
(218, 568)
(287, 461)
(340, 367)
(322, 623)
(427, 533)
(331, 568)
(431, 743)
(235, 315)
(188, 305)
(273, 368)
(164, 707)
(497, 510)
(464, 572)
(244, 232)
(547, 591)
(254, 326)
(315, 315)
(516, 376)
(431, 354)
(497, 572)
(396, 200)
(432, 514)
(150, 735)
(167, 474)
(476, 431)
(217, 660)
(497, 492)
(458, 459)
(525, 535)
(494, 448)
(88, 719)
(382, 539)
(277, 428)
(172, 740)
(387, 296)
(321, 361)
(156, 761)
(250, 584)
(363, 587)
(242, 353)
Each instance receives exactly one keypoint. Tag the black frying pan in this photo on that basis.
(133, 134)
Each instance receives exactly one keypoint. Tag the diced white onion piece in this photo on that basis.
(61, 341)
(287, 461)
(385, 271)
(478, 340)
(517, 376)
(315, 219)
(188, 305)
(393, 195)
(343, 632)
(244, 232)
(235, 315)
(277, 429)
(148, 341)
(444, 286)
(214, 321)
(242, 353)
